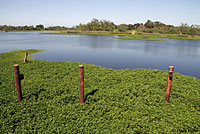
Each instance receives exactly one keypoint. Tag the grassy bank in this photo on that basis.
(136, 37)
(89, 33)
(171, 36)
(129, 36)
(116, 101)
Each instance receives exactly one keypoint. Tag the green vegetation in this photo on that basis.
(88, 33)
(147, 27)
(108, 26)
(136, 37)
(128, 36)
(116, 101)
(137, 31)
(39, 27)
(158, 27)
(171, 36)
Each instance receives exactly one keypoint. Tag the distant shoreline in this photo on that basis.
(125, 35)
(29, 31)
(129, 36)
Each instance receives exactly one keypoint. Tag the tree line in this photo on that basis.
(39, 27)
(147, 27)
(158, 27)
(105, 25)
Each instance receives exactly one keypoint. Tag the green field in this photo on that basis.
(116, 101)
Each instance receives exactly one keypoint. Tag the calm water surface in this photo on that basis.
(108, 52)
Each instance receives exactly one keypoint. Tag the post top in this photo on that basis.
(171, 68)
(80, 65)
(15, 65)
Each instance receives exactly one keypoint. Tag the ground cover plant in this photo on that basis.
(116, 101)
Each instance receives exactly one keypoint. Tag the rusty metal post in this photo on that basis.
(25, 57)
(81, 84)
(18, 78)
(169, 83)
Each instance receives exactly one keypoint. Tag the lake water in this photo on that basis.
(105, 51)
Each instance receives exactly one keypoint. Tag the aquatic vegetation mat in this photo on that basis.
(116, 101)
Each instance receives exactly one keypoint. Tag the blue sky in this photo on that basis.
(74, 12)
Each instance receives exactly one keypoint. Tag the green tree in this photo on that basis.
(149, 24)
(122, 27)
(39, 27)
(107, 25)
(31, 28)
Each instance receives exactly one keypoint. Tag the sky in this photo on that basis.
(73, 12)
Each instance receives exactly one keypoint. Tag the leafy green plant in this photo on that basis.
(116, 101)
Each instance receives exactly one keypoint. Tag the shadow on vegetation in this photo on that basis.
(35, 94)
(90, 93)
(198, 108)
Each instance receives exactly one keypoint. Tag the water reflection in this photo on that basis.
(108, 52)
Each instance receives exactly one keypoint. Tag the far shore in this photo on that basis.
(131, 35)
(30, 31)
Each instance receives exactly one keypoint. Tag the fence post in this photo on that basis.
(25, 57)
(18, 78)
(81, 84)
(169, 83)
